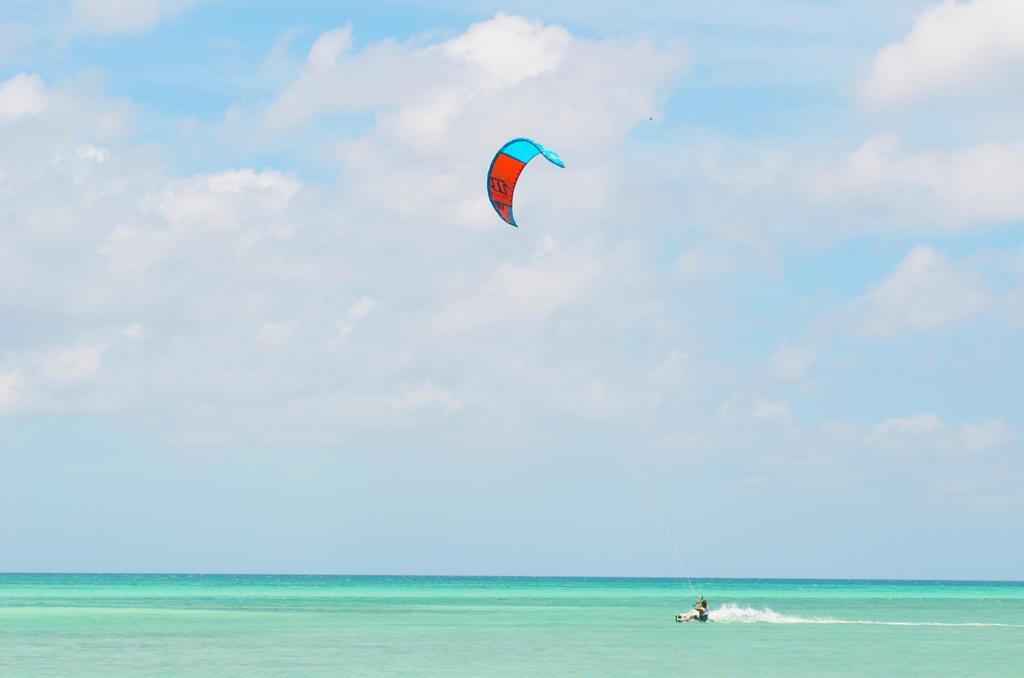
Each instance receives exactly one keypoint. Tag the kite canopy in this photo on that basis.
(505, 169)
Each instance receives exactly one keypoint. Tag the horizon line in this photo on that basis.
(514, 576)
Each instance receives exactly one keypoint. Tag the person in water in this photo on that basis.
(700, 611)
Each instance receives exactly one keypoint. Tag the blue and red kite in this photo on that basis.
(505, 169)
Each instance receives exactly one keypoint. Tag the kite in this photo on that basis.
(505, 169)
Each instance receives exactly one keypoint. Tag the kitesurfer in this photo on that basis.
(700, 611)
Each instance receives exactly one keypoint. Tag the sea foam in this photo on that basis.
(731, 613)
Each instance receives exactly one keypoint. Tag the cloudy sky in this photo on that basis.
(257, 315)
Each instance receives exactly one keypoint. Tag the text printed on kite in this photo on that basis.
(507, 165)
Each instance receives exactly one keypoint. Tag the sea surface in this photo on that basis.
(122, 624)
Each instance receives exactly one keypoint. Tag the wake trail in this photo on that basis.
(734, 614)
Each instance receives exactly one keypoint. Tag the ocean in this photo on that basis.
(124, 624)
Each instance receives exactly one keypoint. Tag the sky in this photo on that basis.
(257, 315)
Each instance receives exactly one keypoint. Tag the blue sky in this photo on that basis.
(256, 315)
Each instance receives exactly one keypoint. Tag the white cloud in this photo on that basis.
(954, 189)
(757, 193)
(510, 49)
(518, 293)
(919, 424)
(207, 216)
(772, 410)
(591, 399)
(703, 266)
(793, 362)
(420, 397)
(673, 364)
(71, 363)
(94, 153)
(984, 435)
(1015, 307)
(123, 16)
(390, 408)
(953, 48)
(10, 384)
(131, 251)
(275, 336)
(926, 291)
(324, 53)
(928, 433)
(222, 200)
(213, 270)
(356, 312)
(468, 94)
(250, 206)
(21, 96)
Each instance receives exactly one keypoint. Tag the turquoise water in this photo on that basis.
(473, 626)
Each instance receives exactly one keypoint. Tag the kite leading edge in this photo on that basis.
(507, 165)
